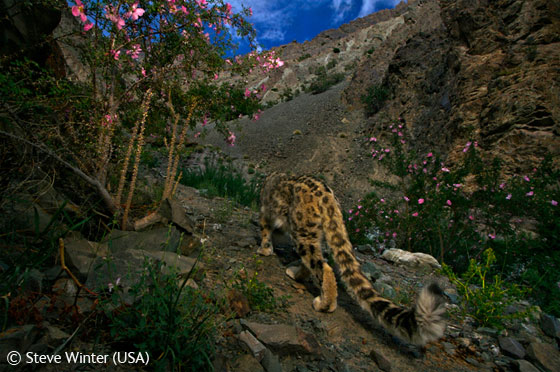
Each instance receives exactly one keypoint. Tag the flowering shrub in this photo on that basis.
(456, 212)
(152, 70)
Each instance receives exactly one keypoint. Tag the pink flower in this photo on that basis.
(360, 207)
(526, 178)
(135, 12)
(247, 93)
(88, 26)
(350, 211)
(116, 54)
(471, 218)
(231, 139)
(382, 200)
(134, 53)
(415, 214)
(554, 202)
(502, 185)
(78, 11)
(444, 169)
(143, 72)
(394, 235)
(492, 236)
(508, 196)
(406, 198)
(448, 202)
(429, 155)
(420, 201)
(373, 139)
(112, 15)
(530, 193)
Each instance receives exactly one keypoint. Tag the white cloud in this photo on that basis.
(273, 34)
(274, 17)
(370, 6)
(340, 7)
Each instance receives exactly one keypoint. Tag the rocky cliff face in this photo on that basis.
(454, 70)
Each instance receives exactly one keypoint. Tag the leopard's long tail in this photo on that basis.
(418, 325)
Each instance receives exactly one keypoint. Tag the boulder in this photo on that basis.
(415, 260)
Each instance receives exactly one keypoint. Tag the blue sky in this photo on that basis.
(280, 22)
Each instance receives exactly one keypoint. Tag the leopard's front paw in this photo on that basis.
(265, 250)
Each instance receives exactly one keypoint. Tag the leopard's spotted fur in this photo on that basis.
(307, 209)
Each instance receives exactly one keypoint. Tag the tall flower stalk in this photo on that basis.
(139, 145)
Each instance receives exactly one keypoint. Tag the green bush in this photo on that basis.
(374, 99)
(486, 300)
(456, 213)
(324, 81)
(174, 323)
(259, 295)
(223, 180)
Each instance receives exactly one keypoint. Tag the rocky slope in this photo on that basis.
(454, 70)
(292, 337)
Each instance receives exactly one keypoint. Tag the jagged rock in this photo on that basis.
(32, 281)
(451, 293)
(255, 346)
(54, 335)
(24, 215)
(512, 347)
(270, 362)
(545, 355)
(370, 271)
(18, 339)
(80, 255)
(413, 260)
(158, 239)
(65, 287)
(382, 362)
(126, 268)
(247, 363)
(365, 249)
(284, 339)
(550, 325)
(385, 290)
(238, 303)
(175, 213)
(525, 366)
(488, 331)
(449, 348)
